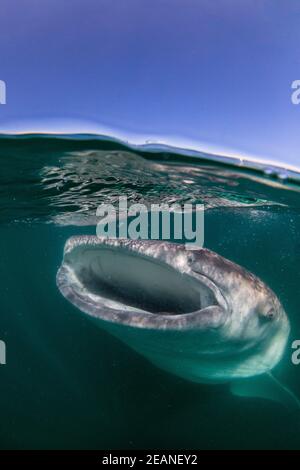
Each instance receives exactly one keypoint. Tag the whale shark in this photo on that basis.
(192, 313)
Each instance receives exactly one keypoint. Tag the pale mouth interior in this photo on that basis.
(138, 281)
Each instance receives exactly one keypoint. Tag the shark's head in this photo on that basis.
(256, 322)
(191, 312)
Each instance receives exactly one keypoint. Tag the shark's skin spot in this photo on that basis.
(190, 312)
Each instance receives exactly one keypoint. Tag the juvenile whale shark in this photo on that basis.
(190, 312)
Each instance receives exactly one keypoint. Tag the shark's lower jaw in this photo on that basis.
(125, 279)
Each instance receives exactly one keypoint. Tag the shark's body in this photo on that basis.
(190, 312)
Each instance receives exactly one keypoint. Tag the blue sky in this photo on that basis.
(212, 72)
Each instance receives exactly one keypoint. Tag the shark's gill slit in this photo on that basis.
(140, 282)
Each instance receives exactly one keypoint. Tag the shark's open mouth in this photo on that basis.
(138, 281)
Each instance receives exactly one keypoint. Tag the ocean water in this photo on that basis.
(67, 383)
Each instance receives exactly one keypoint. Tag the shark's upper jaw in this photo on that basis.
(138, 281)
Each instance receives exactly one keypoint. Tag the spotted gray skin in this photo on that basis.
(190, 312)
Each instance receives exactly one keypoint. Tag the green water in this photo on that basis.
(68, 384)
